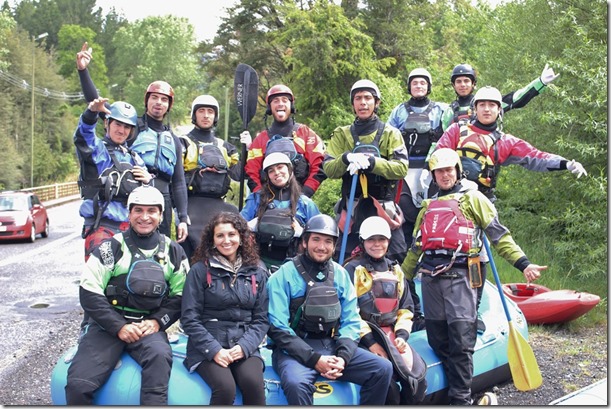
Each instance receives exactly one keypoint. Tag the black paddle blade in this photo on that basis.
(245, 92)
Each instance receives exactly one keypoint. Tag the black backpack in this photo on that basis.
(275, 228)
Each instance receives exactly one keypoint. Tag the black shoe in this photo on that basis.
(481, 327)
(418, 323)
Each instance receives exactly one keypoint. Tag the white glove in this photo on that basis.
(359, 159)
(252, 225)
(298, 229)
(246, 139)
(425, 181)
(576, 168)
(548, 75)
(353, 168)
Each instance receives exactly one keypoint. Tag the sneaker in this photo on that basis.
(481, 327)
(488, 399)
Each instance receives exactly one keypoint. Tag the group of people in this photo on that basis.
(267, 273)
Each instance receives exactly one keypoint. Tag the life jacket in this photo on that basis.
(479, 156)
(417, 132)
(445, 227)
(380, 303)
(319, 310)
(275, 228)
(157, 150)
(199, 158)
(378, 186)
(144, 287)
(286, 145)
(461, 113)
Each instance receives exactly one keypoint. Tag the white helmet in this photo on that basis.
(205, 101)
(147, 196)
(374, 226)
(275, 158)
(365, 85)
(488, 93)
(419, 72)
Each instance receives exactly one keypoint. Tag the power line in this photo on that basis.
(23, 84)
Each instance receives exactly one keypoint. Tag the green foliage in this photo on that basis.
(328, 195)
(164, 51)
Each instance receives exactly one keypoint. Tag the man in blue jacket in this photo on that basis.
(312, 338)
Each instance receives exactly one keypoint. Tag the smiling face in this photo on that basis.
(278, 174)
(144, 219)
(319, 247)
(227, 240)
(463, 86)
(157, 105)
(281, 107)
(364, 104)
(419, 87)
(445, 177)
(118, 132)
(376, 246)
(204, 117)
(487, 112)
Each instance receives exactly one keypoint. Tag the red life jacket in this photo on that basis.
(445, 227)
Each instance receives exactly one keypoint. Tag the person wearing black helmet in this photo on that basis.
(376, 151)
(155, 142)
(209, 165)
(464, 82)
(307, 344)
(299, 142)
(108, 170)
(448, 239)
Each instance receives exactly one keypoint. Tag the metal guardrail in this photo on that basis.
(55, 191)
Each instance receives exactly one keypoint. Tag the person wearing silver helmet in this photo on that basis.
(315, 325)
(131, 290)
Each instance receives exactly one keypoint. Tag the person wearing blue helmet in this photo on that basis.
(109, 171)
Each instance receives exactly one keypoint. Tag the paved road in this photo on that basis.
(39, 310)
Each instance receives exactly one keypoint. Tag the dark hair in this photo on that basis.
(268, 195)
(248, 247)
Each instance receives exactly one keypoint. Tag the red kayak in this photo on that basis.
(541, 305)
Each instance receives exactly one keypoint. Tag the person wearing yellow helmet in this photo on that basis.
(448, 238)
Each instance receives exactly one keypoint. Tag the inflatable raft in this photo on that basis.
(490, 368)
(541, 305)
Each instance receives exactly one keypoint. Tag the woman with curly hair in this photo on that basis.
(224, 311)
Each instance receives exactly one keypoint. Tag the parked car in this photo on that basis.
(22, 216)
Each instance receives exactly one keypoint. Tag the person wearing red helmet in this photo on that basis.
(306, 150)
(156, 144)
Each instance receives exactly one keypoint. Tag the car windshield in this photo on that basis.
(13, 203)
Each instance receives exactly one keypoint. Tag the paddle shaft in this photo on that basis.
(522, 361)
(245, 121)
(342, 251)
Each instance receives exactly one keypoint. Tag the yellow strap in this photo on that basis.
(363, 181)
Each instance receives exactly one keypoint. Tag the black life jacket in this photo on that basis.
(200, 177)
(319, 311)
(144, 287)
(461, 113)
(275, 228)
(417, 132)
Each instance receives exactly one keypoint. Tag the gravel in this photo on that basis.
(568, 359)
